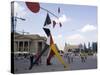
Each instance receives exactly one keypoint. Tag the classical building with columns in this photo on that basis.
(31, 43)
(75, 48)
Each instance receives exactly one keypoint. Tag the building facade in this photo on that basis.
(73, 48)
(29, 43)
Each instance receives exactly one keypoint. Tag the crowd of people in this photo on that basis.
(70, 56)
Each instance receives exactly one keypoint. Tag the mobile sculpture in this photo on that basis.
(35, 7)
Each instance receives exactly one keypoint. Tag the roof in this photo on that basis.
(31, 36)
(67, 47)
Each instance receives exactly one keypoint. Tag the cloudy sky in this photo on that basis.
(79, 23)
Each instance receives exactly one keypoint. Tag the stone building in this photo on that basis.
(73, 48)
(29, 43)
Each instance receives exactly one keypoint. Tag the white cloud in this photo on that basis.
(59, 36)
(63, 18)
(59, 40)
(19, 9)
(88, 28)
(75, 39)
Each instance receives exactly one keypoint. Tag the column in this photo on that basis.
(23, 46)
(17, 45)
(28, 46)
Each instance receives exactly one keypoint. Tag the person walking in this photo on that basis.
(31, 61)
(82, 55)
(70, 56)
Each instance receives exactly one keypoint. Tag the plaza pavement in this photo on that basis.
(22, 65)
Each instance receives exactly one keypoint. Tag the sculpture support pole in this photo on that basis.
(37, 59)
(52, 46)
